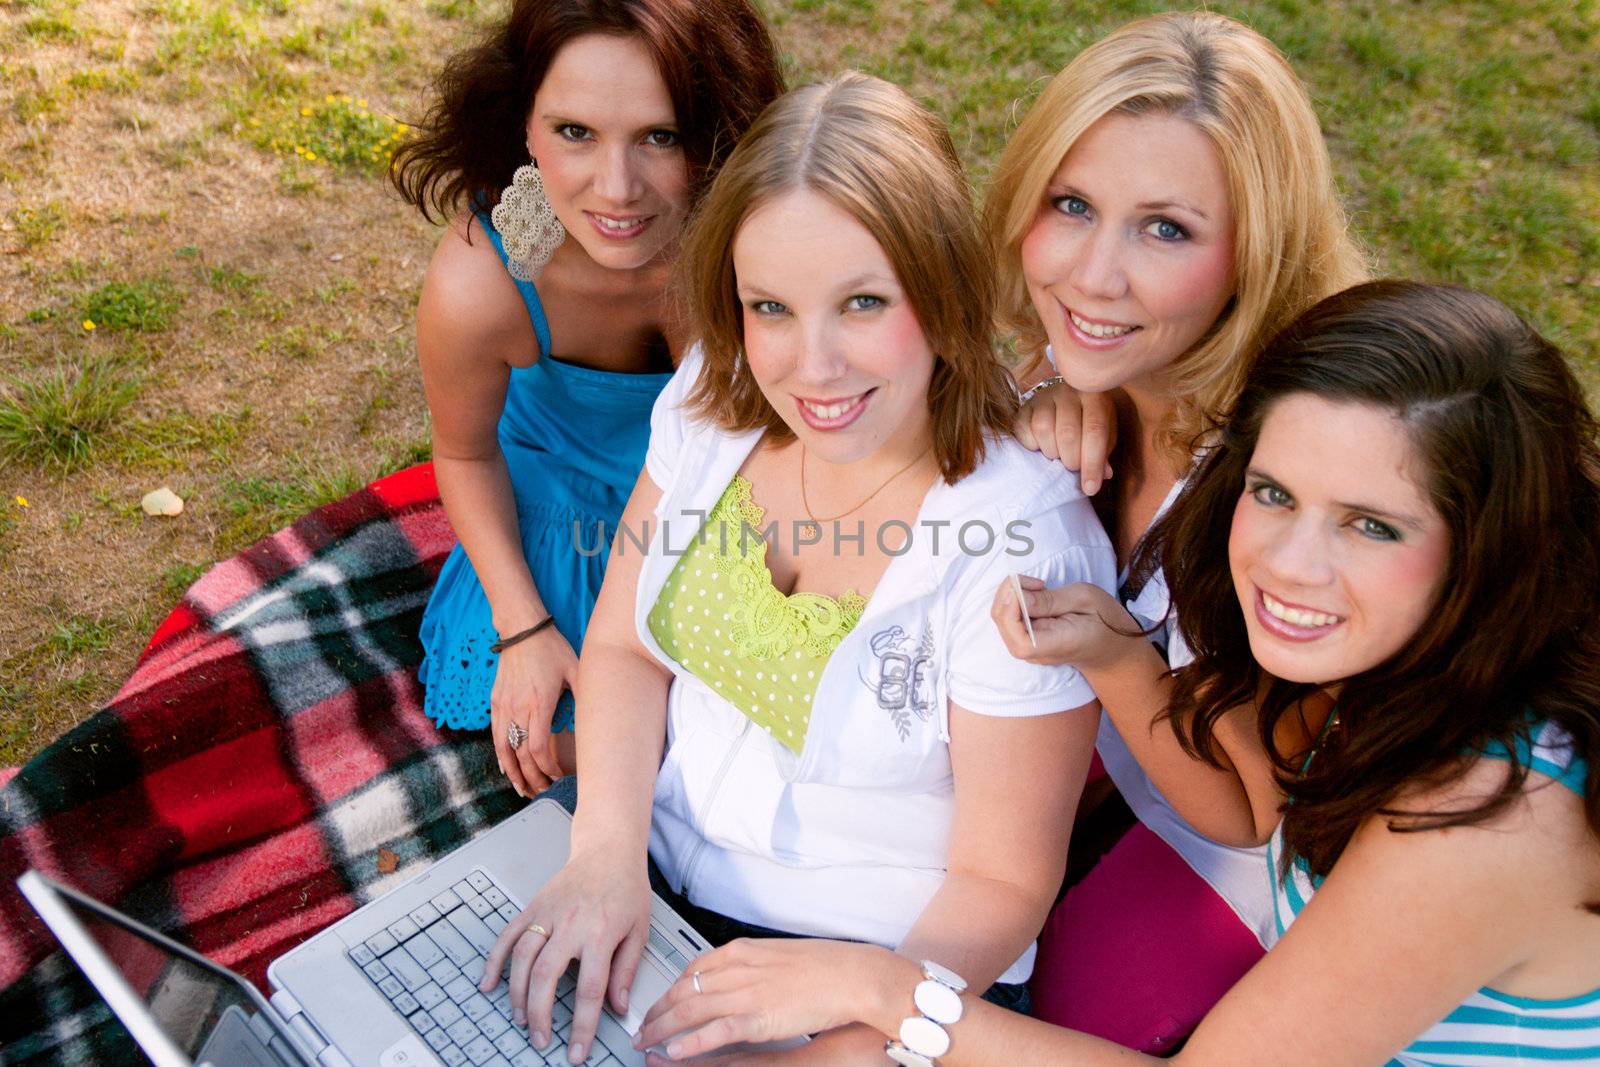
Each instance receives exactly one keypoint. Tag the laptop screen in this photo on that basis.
(207, 1013)
(186, 1000)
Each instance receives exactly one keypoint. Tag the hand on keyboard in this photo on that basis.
(428, 965)
(596, 912)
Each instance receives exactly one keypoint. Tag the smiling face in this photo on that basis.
(829, 335)
(1337, 554)
(1130, 259)
(604, 132)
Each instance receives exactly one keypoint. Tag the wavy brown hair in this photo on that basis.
(1500, 425)
(889, 163)
(716, 57)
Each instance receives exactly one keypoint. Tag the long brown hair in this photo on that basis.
(886, 160)
(716, 57)
(1513, 467)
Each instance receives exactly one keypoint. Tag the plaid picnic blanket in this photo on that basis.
(266, 769)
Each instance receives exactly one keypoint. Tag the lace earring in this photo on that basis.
(528, 226)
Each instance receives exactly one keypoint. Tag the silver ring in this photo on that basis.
(515, 735)
(695, 979)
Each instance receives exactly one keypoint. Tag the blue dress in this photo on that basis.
(574, 440)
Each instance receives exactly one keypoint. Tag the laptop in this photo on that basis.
(393, 984)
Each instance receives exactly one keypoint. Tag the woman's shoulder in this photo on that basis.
(1015, 482)
(469, 303)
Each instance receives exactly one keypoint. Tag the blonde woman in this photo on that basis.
(1164, 208)
(842, 758)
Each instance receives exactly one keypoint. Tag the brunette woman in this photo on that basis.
(564, 150)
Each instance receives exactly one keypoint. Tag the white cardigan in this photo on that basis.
(849, 839)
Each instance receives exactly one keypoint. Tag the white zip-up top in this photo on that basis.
(849, 838)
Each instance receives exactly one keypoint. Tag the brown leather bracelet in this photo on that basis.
(506, 642)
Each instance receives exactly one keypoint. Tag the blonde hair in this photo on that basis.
(889, 163)
(1291, 244)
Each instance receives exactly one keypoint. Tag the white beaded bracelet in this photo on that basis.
(922, 1037)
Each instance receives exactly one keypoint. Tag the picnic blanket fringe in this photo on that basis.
(266, 769)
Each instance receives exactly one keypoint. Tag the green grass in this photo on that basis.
(145, 306)
(61, 418)
(36, 225)
(258, 505)
(259, 379)
(341, 131)
(79, 633)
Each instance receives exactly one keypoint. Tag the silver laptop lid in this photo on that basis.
(180, 1007)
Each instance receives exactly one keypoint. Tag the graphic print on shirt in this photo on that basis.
(902, 676)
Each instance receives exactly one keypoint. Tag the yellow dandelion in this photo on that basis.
(299, 150)
(328, 99)
(311, 155)
(401, 127)
(22, 501)
(88, 324)
(345, 98)
(362, 104)
(305, 111)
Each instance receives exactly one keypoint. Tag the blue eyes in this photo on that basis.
(1378, 531)
(859, 302)
(1164, 230)
(1271, 496)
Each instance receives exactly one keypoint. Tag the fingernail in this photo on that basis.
(579, 1053)
(520, 1018)
(674, 1048)
(1090, 486)
(623, 1000)
(539, 1040)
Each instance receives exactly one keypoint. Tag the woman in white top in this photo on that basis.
(850, 751)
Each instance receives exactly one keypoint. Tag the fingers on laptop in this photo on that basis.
(536, 997)
(593, 972)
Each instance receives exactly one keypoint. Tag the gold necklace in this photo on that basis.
(813, 527)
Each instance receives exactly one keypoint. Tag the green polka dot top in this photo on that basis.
(722, 619)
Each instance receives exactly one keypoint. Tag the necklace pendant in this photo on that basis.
(810, 530)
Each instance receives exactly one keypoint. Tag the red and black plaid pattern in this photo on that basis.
(266, 770)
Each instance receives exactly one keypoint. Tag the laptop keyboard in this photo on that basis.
(428, 965)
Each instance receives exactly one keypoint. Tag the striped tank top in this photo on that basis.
(1491, 1029)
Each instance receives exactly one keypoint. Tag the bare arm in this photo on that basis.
(1081, 624)
(471, 328)
(596, 910)
(1405, 928)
